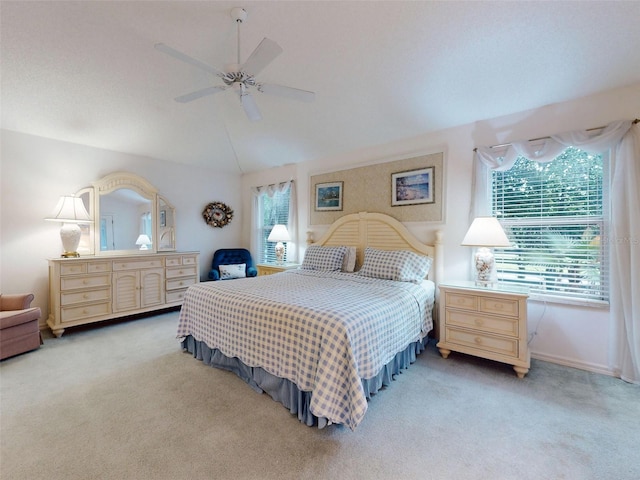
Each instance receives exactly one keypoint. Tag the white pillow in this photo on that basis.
(349, 262)
(399, 265)
(233, 271)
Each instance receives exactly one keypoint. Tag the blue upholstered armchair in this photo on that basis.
(231, 256)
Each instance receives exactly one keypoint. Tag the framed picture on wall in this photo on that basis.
(412, 187)
(329, 196)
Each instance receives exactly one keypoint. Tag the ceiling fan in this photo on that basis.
(241, 77)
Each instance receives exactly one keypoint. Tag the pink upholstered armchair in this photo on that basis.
(19, 329)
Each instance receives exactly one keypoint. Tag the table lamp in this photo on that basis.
(144, 241)
(279, 234)
(70, 211)
(485, 233)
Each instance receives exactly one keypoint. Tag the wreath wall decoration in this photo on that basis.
(217, 214)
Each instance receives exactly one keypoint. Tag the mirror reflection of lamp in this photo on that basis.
(70, 211)
(485, 233)
(144, 241)
(279, 234)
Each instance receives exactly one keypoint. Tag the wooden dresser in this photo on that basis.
(488, 322)
(91, 289)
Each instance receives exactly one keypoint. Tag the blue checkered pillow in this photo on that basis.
(328, 259)
(399, 265)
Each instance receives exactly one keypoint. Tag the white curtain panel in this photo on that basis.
(623, 140)
(625, 256)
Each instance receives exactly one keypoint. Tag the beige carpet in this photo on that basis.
(122, 401)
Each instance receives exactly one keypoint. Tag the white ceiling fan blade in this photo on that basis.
(198, 94)
(250, 107)
(187, 59)
(266, 51)
(288, 92)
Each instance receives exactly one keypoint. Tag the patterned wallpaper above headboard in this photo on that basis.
(369, 188)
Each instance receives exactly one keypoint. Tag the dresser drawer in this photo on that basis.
(184, 271)
(70, 314)
(499, 306)
(460, 300)
(71, 298)
(486, 342)
(137, 264)
(86, 281)
(189, 260)
(98, 267)
(173, 261)
(180, 283)
(175, 295)
(490, 324)
(74, 268)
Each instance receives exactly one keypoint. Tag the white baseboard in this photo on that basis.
(567, 362)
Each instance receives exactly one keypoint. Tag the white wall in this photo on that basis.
(35, 171)
(571, 335)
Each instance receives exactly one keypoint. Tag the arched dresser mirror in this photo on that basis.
(130, 217)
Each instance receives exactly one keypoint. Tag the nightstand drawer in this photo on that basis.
(499, 306)
(459, 300)
(489, 343)
(503, 326)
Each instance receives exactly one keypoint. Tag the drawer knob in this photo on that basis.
(498, 306)
(478, 340)
(85, 296)
(479, 322)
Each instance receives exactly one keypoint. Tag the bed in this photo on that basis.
(324, 338)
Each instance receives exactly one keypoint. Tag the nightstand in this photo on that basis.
(271, 268)
(488, 322)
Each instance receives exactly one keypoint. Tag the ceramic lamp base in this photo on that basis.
(70, 234)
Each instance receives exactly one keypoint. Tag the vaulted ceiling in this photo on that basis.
(87, 71)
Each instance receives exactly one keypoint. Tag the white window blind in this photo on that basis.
(274, 210)
(555, 215)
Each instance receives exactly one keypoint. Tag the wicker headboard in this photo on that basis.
(380, 231)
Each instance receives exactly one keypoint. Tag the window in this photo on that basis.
(555, 215)
(273, 210)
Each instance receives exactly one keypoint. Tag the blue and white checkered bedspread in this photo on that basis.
(322, 331)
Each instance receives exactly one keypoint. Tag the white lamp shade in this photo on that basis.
(70, 209)
(143, 240)
(279, 233)
(486, 232)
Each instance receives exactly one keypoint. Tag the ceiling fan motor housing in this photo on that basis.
(238, 14)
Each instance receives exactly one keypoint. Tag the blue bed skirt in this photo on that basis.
(285, 391)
